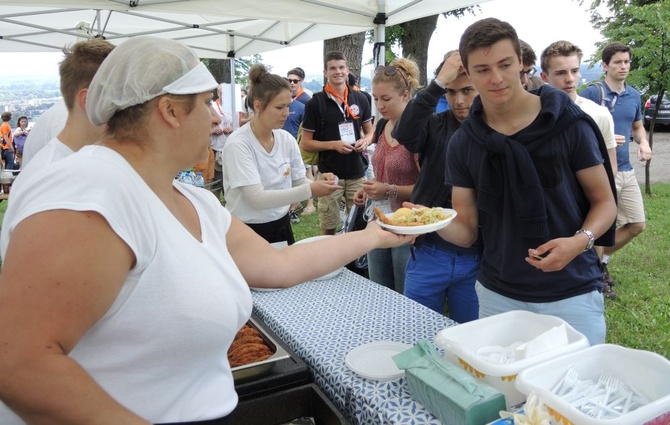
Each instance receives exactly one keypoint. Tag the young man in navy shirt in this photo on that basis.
(527, 172)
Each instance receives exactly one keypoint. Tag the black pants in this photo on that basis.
(275, 231)
(228, 420)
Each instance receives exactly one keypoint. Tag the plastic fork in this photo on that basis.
(612, 385)
(582, 389)
(568, 381)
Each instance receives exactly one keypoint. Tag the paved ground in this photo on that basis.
(659, 168)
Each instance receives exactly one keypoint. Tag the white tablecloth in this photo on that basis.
(323, 320)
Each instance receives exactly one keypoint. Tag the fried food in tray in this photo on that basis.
(248, 347)
(412, 216)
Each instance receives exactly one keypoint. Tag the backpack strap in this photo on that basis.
(379, 129)
(602, 96)
(320, 98)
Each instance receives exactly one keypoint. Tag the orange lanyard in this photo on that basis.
(300, 92)
(329, 90)
(218, 106)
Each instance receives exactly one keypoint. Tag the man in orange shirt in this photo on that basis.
(6, 141)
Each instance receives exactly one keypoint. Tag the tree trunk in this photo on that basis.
(415, 38)
(220, 69)
(351, 47)
(650, 139)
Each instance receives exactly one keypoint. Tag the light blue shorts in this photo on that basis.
(585, 313)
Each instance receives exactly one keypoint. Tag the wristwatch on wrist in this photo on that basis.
(588, 233)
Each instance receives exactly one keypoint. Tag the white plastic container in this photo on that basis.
(646, 372)
(462, 342)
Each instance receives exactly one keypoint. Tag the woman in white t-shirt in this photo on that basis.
(122, 289)
(263, 172)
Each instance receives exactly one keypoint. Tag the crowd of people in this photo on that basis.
(122, 287)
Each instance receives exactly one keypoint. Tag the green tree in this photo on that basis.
(644, 25)
(220, 69)
(351, 46)
(413, 38)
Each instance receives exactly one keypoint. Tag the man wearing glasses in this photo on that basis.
(529, 80)
(624, 104)
(295, 77)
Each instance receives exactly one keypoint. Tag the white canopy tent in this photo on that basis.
(213, 28)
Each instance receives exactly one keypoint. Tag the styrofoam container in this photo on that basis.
(648, 373)
(461, 343)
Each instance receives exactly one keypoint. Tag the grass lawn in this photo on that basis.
(640, 316)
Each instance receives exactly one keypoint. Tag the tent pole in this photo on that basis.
(233, 92)
(379, 48)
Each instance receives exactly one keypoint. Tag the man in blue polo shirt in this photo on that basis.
(624, 104)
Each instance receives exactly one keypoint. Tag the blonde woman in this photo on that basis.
(396, 169)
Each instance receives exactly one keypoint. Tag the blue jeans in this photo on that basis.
(8, 156)
(437, 274)
(585, 313)
(387, 266)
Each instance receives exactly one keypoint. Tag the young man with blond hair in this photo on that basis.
(560, 63)
(76, 70)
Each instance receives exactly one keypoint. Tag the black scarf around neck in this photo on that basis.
(509, 158)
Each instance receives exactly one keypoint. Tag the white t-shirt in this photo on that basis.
(247, 163)
(601, 116)
(161, 348)
(218, 141)
(54, 151)
(47, 126)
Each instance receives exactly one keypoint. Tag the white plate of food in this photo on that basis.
(416, 221)
(375, 360)
(318, 238)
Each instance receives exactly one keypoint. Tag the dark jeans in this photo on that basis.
(8, 156)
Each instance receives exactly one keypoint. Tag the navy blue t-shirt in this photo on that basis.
(503, 268)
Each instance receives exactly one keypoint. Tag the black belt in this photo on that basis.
(226, 420)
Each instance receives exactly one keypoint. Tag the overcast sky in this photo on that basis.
(557, 19)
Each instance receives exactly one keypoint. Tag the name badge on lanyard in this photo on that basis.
(347, 133)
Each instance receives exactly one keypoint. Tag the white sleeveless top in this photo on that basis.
(161, 348)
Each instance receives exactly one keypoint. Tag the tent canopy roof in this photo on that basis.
(214, 28)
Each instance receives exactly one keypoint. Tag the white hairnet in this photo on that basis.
(141, 69)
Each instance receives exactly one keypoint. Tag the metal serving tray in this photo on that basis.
(255, 370)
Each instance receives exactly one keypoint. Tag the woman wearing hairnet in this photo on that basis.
(121, 288)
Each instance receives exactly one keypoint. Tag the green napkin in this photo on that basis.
(447, 391)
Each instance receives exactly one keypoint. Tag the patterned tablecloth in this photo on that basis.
(323, 320)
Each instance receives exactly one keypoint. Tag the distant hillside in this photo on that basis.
(590, 75)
